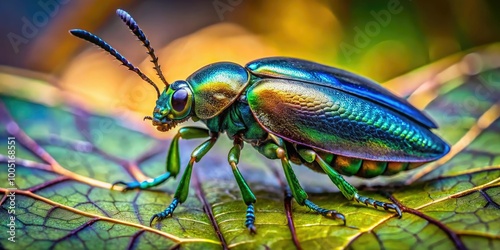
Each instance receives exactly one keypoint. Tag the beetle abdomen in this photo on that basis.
(363, 168)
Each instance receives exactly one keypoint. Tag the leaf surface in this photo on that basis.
(67, 157)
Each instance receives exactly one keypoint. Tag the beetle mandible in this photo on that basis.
(330, 120)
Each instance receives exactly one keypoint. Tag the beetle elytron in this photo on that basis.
(328, 119)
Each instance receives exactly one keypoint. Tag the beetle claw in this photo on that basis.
(336, 215)
(118, 182)
(395, 207)
(165, 213)
(160, 216)
(152, 219)
(252, 229)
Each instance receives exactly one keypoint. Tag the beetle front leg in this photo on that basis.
(246, 192)
(345, 188)
(182, 190)
(172, 162)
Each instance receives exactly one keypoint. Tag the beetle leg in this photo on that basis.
(347, 189)
(369, 201)
(325, 212)
(298, 192)
(182, 190)
(144, 184)
(274, 151)
(309, 156)
(246, 192)
(173, 160)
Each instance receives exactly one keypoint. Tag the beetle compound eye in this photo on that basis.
(179, 99)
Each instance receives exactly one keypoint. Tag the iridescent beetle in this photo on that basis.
(328, 119)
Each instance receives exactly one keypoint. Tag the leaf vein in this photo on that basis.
(103, 218)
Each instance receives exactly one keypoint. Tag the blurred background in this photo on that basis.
(403, 44)
(378, 39)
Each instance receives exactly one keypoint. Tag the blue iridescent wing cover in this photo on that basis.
(338, 122)
(306, 71)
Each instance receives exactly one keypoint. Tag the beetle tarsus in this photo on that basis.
(128, 186)
(250, 219)
(149, 183)
(165, 213)
(325, 212)
(369, 201)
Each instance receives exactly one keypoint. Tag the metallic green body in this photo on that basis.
(326, 127)
(356, 135)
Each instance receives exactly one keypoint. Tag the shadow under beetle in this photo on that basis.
(331, 120)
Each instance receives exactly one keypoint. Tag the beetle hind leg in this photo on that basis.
(325, 212)
(369, 201)
(298, 192)
(278, 151)
(345, 188)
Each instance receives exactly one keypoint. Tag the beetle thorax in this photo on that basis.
(216, 86)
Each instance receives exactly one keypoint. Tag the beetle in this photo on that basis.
(328, 119)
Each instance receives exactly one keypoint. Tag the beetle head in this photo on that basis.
(173, 106)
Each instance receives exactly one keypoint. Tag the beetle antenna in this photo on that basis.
(85, 35)
(134, 27)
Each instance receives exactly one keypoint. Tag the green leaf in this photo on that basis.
(66, 158)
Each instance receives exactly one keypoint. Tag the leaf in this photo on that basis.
(66, 158)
